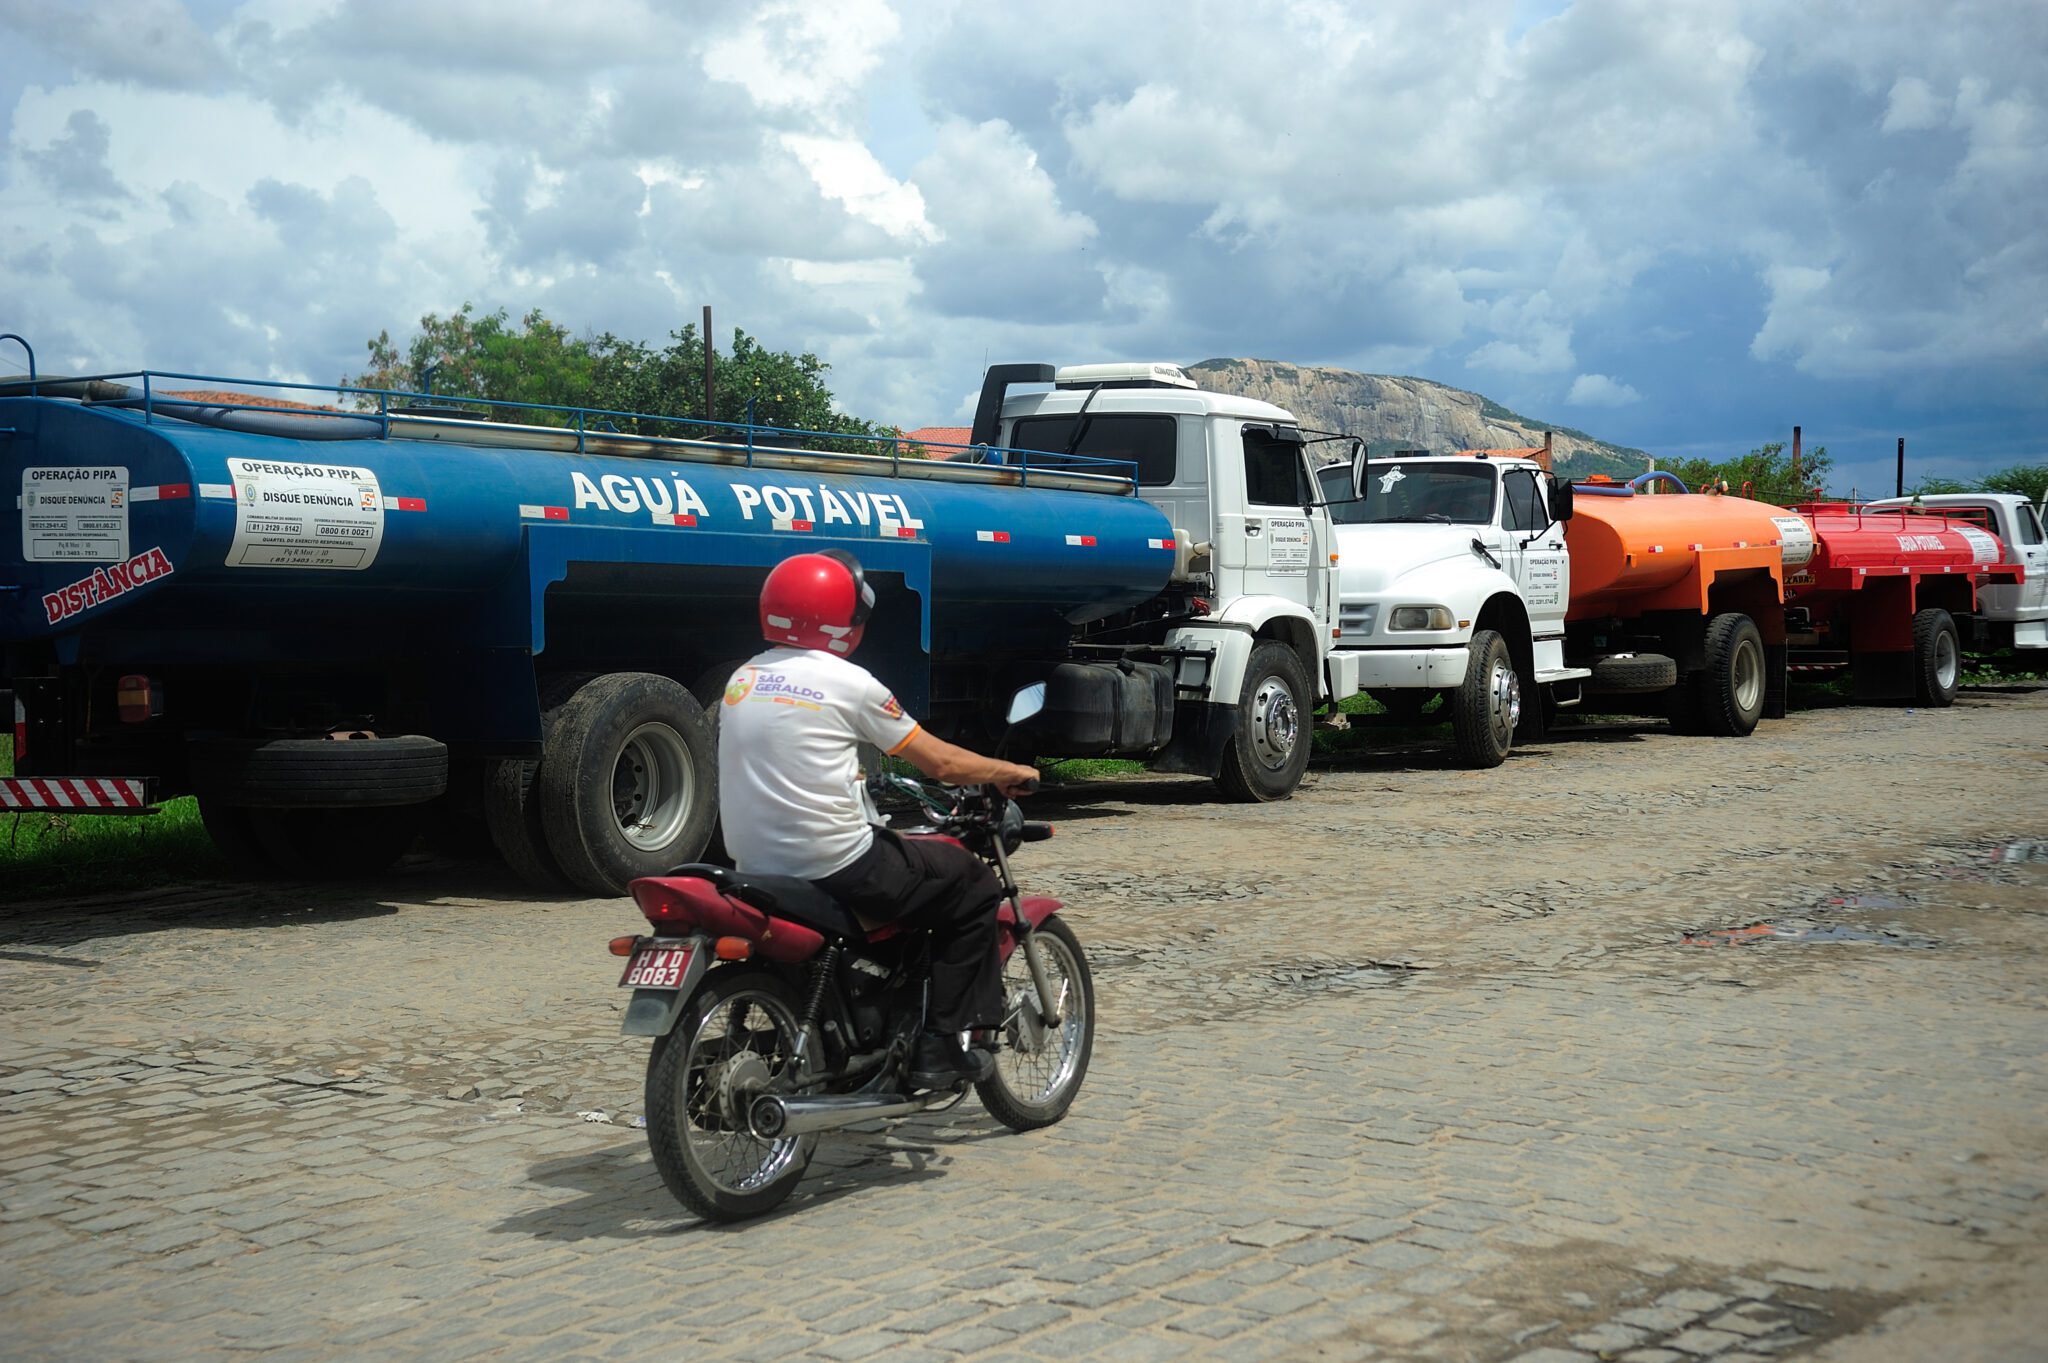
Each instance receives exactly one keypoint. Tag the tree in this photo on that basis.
(2029, 480)
(485, 358)
(538, 361)
(1765, 473)
(1935, 487)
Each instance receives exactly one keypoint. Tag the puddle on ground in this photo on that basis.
(1803, 932)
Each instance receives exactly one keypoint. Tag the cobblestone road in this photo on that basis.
(1420, 1064)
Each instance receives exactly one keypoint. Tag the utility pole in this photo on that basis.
(710, 412)
(1900, 490)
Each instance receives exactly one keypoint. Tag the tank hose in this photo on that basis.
(1653, 475)
(1602, 490)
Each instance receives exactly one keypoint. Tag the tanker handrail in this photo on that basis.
(741, 443)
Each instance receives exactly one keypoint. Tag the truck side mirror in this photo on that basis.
(1027, 703)
(1560, 500)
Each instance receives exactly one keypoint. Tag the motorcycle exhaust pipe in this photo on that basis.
(773, 1117)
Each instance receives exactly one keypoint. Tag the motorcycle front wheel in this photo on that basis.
(1040, 1065)
(735, 1040)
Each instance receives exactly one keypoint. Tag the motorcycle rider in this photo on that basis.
(793, 802)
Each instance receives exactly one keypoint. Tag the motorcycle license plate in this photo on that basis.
(656, 968)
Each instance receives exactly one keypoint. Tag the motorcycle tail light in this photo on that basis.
(623, 946)
(732, 949)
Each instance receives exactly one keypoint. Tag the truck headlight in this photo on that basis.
(1420, 617)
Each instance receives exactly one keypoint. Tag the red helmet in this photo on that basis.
(816, 601)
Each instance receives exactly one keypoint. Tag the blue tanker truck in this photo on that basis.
(321, 621)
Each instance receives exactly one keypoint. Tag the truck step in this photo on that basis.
(1561, 674)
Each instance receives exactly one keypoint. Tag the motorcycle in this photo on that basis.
(777, 1015)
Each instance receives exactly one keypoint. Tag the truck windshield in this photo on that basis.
(1344, 506)
(1450, 494)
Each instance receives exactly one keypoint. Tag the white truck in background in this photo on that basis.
(1246, 625)
(2008, 616)
(1453, 580)
(1459, 577)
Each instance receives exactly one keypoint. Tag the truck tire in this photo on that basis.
(334, 844)
(1633, 673)
(628, 787)
(1937, 658)
(710, 695)
(1731, 687)
(510, 812)
(233, 831)
(1487, 705)
(1269, 752)
(322, 773)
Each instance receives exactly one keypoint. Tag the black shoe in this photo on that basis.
(939, 1062)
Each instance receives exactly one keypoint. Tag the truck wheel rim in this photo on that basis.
(653, 786)
(1945, 663)
(1504, 701)
(1749, 676)
(1275, 723)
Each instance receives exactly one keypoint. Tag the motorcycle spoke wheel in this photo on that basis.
(1040, 1065)
(735, 1041)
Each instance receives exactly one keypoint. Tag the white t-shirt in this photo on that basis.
(790, 791)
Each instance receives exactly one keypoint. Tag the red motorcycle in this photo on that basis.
(776, 1015)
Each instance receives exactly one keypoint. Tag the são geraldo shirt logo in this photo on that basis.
(736, 690)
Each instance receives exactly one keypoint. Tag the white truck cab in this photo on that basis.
(1255, 548)
(2012, 616)
(1454, 578)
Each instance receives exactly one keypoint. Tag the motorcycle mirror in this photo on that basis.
(1027, 703)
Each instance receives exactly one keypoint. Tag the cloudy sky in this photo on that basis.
(1682, 225)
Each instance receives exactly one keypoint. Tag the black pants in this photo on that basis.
(951, 894)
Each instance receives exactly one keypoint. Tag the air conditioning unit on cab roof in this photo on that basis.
(1121, 376)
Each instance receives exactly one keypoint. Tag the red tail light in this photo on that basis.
(623, 946)
(658, 902)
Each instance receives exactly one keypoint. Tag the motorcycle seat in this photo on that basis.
(789, 897)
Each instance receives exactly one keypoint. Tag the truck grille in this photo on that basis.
(1356, 618)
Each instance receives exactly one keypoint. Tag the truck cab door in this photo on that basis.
(2031, 545)
(1277, 540)
(1535, 555)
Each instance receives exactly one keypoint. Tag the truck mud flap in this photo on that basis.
(1201, 733)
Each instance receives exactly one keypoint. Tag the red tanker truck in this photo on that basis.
(1889, 594)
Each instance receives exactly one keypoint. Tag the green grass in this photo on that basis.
(44, 855)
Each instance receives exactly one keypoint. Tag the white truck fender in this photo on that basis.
(1231, 632)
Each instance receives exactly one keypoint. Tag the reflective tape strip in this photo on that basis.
(799, 527)
(1081, 541)
(993, 536)
(673, 518)
(904, 532)
(66, 793)
(544, 513)
(1656, 548)
(405, 504)
(220, 492)
(1159, 544)
(162, 492)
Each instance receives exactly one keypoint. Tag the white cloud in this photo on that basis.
(1489, 192)
(1598, 390)
(1913, 106)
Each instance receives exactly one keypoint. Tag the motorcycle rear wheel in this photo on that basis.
(735, 1040)
(1039, 1068)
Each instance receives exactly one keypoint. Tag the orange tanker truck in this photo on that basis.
(1482, 579)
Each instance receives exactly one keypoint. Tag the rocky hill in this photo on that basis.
(1392, 413)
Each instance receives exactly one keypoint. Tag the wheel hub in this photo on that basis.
(653, 787)
(1505, 699)
(738, 1081)
(1276, 723)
